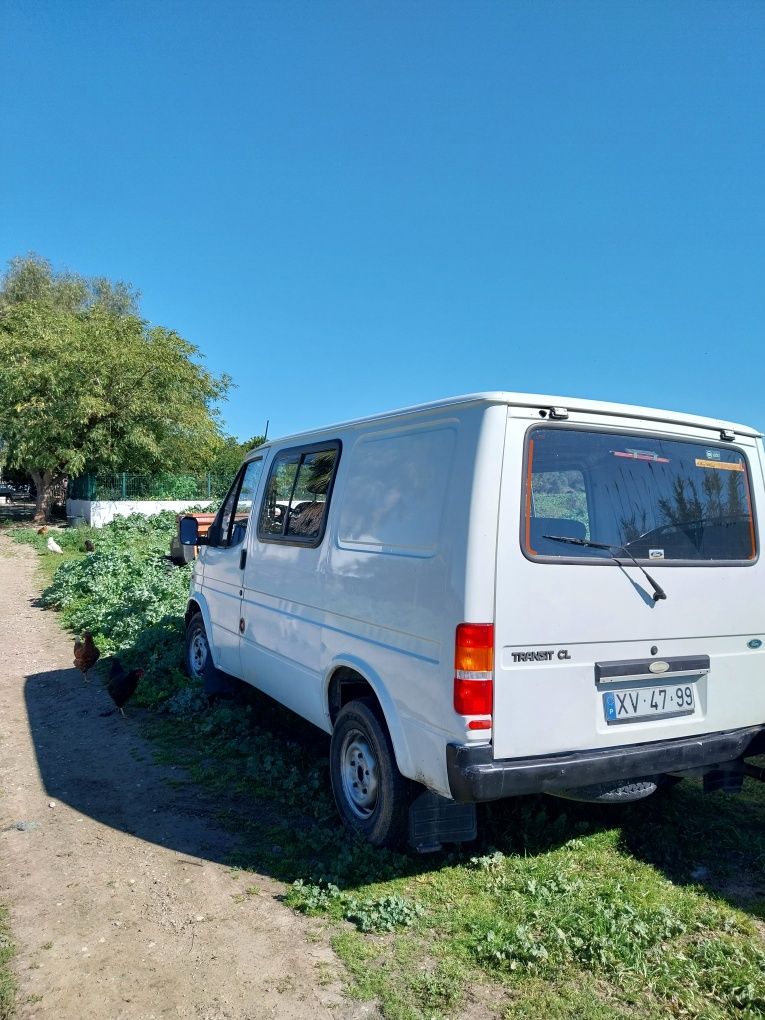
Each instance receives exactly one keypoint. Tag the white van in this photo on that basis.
(494, 595)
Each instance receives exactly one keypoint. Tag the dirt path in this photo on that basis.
(120, 902)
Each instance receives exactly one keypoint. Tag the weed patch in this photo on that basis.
(377, 914)
(637, 928)
(7, 982)
(126, 593)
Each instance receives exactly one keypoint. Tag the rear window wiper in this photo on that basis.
(658, 591)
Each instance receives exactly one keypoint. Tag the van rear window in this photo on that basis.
(659, 499)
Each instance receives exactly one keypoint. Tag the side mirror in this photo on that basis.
(188, 532)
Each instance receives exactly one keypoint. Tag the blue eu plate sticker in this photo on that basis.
(609, 703)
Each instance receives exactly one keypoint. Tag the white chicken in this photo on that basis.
(53, 546)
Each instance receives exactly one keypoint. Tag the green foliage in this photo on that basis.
(375, 914)
(383, 913)
(250, 755)
(121, 485)
(7, 982)
(554, 917)
(189, 700)
(32, 278)
(313, 897)
(87, 384)
(90, 390)
(226, 458)
(571, 505)
(127, 594)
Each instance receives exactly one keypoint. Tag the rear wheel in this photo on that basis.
(371, 794)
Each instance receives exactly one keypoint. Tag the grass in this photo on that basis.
(7, 982)
(648, 910)
(559, 910)
(71, 540)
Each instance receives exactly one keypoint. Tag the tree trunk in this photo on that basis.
(44, 484)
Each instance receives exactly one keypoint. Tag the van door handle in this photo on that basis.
(242, 559)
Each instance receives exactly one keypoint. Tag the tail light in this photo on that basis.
(474, 672)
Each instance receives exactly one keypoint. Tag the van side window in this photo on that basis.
(235, 511)
(297, 495)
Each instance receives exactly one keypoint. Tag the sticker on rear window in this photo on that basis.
(721, 465)
(655, 554)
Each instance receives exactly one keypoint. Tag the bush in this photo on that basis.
(129, 595)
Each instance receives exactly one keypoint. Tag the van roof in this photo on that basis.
(538, 400)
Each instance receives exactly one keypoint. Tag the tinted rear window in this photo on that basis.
(661, 499)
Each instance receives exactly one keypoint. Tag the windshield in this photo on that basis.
(660, 499)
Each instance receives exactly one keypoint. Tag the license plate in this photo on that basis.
(649, 703)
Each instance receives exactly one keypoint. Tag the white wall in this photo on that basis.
(98, 512)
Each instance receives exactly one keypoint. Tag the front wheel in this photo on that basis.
(199, 663)
(371, 794)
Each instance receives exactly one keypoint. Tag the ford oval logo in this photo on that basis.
(659, 666)
(755, 643)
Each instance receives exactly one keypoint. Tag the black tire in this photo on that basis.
(371, 795)
(200, 665)
(199, 660)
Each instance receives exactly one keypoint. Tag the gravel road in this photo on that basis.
(120, 900)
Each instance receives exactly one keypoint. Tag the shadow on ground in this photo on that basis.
(101, 767)
(284, 825)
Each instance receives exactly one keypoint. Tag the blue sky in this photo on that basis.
(353, 206)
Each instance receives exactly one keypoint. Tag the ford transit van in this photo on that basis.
(495, 595)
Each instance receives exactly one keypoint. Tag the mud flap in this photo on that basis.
(218, 685)
(728, 778)
(434, 820)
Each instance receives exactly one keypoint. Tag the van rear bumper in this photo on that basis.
(474, 775)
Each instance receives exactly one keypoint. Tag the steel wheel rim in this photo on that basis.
(198, 653)
(359, 774)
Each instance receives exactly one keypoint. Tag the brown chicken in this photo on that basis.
(86, 654)
(122, 684)
(43, 530)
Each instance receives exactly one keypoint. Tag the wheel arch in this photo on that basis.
(348, 679)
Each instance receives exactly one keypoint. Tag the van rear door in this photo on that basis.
(586, 655)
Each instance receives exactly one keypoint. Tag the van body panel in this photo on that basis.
(526, 403)
(398, 732)
(395, 572)
(221, 584)
(281, 646)
(481, 519)
(423, 530)
(597, 611)
(384, 589)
